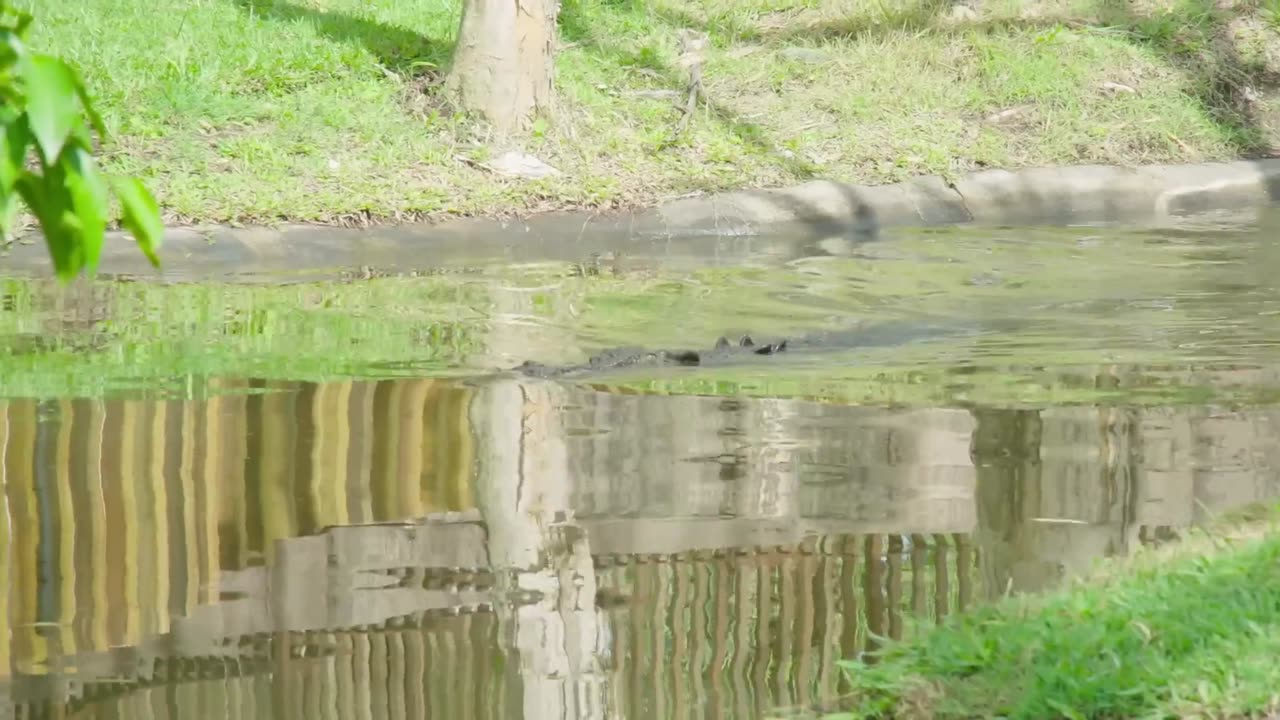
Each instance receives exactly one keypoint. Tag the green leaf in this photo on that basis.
(9, 206)
(50, 85)
(89, 196)
(12, 49)
(21, 19)
(95, 120)
(48, 199)
(12, 32)
(141, 216)
(13, 153)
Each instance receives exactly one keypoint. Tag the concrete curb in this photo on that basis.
(1073, 195)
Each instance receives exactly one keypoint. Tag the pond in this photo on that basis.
(328, 497)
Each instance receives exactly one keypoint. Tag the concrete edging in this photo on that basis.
(1081, 194)
(1071, 195)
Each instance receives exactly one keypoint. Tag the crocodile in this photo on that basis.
(726, 352)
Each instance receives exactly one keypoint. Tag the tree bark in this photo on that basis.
(503, 63)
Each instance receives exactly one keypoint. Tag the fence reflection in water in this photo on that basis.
(172, 557)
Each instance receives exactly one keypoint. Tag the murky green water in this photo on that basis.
(321, 500)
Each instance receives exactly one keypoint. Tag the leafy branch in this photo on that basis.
(46, 158)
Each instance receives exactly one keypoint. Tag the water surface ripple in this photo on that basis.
(326, 498)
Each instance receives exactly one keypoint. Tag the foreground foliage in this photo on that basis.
(47, 113)
(1191, 630)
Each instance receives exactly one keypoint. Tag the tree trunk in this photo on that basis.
(502, 66)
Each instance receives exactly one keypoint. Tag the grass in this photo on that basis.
(1186, 630)
(330, 110)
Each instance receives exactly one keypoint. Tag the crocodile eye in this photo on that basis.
(722, 343)
(746, 341)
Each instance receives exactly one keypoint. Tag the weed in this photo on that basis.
(1270, 10)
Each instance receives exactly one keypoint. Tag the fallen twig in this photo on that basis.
(692, 45)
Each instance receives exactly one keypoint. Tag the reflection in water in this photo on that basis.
(430, 548)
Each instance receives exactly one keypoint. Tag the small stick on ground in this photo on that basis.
(692, 46)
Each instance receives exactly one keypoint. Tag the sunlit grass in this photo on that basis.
(329, 110)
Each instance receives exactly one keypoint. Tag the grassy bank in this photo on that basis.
(1187, 630)
(328, 110)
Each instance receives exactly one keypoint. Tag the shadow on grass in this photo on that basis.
(1197, 39)
(397, 48)
(1194, 37)
(575, 28)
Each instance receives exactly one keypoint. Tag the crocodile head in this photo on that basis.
(628, 357)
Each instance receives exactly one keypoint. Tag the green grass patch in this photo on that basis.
(331, 110)
(1186, 630)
